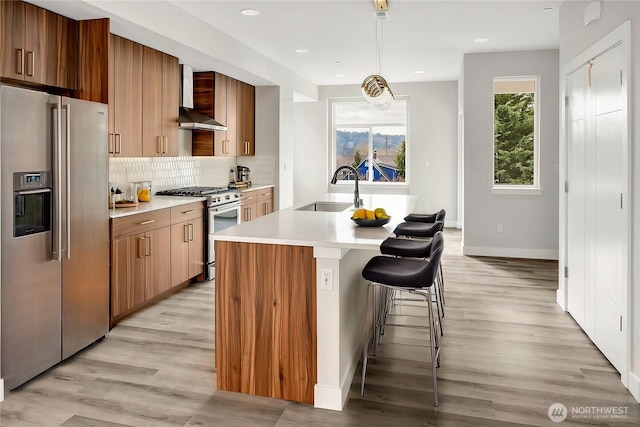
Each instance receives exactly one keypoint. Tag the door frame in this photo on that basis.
(619, 36)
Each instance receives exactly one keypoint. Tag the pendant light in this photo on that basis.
(375, 88)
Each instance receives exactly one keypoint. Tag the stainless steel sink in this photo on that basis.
(325, 206)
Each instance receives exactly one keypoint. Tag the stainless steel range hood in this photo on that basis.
(189, 118)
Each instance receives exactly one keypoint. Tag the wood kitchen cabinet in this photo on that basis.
(187, 242)
(140, 260)
(38, 46)
(230, 102)
(214, 94)
(264, 202)
(160, 103)
(246, 115)
(249, 209)
(125, 97)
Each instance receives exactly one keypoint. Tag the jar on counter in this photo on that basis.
(143, 189)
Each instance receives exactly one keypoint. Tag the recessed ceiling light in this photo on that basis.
(338, 62)
(418, 72)
(339, 75)
(250, 12)
(302, 50)
(480, 40)
(547, 9)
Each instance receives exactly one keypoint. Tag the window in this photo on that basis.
(515, 129)
(370, 140)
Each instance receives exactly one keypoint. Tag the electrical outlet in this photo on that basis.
(326, 279)
(499, 228)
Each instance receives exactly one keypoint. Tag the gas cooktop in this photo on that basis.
(194, 191)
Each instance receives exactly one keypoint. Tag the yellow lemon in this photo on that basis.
(369, 214)
(359, 214)
(380, 213)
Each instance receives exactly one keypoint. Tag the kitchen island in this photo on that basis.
(290, 300)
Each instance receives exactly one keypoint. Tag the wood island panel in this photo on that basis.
(266, 320)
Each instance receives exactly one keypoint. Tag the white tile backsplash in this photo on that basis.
(183, 171)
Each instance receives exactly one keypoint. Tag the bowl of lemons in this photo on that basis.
(370, 218)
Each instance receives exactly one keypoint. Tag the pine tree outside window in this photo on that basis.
(370, 140)
(516, 145)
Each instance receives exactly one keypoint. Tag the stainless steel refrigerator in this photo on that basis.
(55, 229)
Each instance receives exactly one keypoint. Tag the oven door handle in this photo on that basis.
(225, 208)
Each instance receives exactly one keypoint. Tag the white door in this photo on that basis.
(577, 91)
(597, 225)
(610, 128)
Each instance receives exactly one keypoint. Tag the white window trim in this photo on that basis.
(525, 190)
(332, 147)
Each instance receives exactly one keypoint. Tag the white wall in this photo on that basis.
(575, 38)
(432, 136)
(530, 222)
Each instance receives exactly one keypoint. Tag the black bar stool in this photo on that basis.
(418, 229)
(429, 218)
(413, 248)
(415, 276)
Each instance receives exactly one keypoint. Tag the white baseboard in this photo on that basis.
(510, 252)
(634, 385)
(560, 299)
(1, 389)
(325, 397)
(459, 225)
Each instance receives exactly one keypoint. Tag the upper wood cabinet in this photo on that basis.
(38, 46)
(160, 95)
(125, 97)
(246, 117)
(230, 102)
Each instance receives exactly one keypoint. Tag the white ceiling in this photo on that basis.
(425, 35)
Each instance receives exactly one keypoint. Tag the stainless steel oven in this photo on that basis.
(219, 218)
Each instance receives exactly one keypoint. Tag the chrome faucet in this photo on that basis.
(357, 202)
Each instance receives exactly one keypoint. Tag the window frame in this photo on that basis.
(333, 149)
(518, 189)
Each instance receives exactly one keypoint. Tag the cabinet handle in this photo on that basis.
(118, 143)
(19, 61)
(250, 213)
(186, 232)
(190, 232)
(31, 55)
(148, 246)
(266, 194)
(166, 144)
(141, 249)
(158, 144)
(190, 211)
(111, 148)
(148, 221)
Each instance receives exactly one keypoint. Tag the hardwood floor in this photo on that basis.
(508, 353)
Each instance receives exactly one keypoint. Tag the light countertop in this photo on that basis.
(323, 229)
(156, 203)
(163, 202)
(256, 187)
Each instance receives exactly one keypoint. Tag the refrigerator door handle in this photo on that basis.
(56, 252)
(67, 107)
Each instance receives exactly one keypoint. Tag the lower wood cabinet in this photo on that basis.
(256, 203)
(187, 242)
(265, 202)
(152, 254)
(249, 205)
